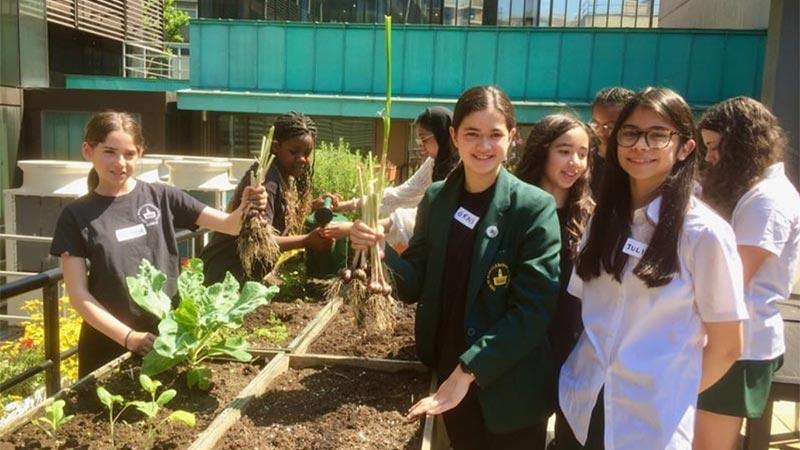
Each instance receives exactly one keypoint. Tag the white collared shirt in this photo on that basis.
(768, 217)
(644, 346)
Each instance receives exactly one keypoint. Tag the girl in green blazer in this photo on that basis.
(483, 267)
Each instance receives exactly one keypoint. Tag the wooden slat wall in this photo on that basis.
(139, 21)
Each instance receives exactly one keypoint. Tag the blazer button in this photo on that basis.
(470, 332)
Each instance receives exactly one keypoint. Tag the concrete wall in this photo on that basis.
(730, 14)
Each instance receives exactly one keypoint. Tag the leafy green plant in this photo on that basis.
(199, 328)
(275, 330)
(53, 420)
(174, 20)
(150, 409)
(109, 400)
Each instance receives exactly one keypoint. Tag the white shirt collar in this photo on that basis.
(774, 170)
(649, 211)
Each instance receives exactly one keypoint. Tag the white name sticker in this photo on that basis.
(466, 218)
(634, 248)
(128, 233)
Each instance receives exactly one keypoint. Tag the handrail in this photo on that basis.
(48, 282)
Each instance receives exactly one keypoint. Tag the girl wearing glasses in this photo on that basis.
(745, 182)
(399, 205)
(658, 276)
(556, 159)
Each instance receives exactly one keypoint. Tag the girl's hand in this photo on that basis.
(338, 230)
(140, 342)
(449, 395)
(254, 199)
(363, 237)
(317, 242)
(318, 202)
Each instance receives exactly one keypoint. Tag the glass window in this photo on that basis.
(531, 9)
(503, 12)
(517, 13)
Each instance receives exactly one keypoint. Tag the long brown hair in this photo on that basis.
(98, 128)
(611, 222)
(532, 166)
(751, 139)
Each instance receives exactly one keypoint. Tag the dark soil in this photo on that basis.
(333, 408)
(343, 337)
(89, 429)
(295, 315)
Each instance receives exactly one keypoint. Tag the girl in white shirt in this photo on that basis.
(745, 182)
(658, 276)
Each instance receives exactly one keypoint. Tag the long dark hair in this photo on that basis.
(751, 139)
(438, 120)
(532, 166)
(611, 222)
(98, 128)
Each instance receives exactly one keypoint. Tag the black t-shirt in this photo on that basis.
(115, 233)
(221, 255)
(460, 246)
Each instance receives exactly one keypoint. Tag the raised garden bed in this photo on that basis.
(89, 428)
(275, 325)
(343, 337)
(323, 402)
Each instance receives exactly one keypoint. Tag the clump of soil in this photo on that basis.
(89, 429)
(343, 337)
(333, 408)
(263, 331)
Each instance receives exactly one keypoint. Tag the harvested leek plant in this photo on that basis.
(256, 243)
(364, 284)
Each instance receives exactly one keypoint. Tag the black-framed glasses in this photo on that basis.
(629, 135)
(421, 140)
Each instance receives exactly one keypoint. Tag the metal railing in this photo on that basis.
(48, 282)
(144, 61)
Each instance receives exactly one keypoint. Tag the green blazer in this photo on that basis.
(511, 294)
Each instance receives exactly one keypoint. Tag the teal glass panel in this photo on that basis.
(448, 67)
(10, 127)
(672, 66)
(398, 60)
(640, 60)
(243, 45)
(418, 61)
(271, 61)
(300, 59)
(741, 52)
(359, 49)
(62, 134)
(607, 60)
(481, 57)
(543, 53)
(575, 66)
(328, 76)
(708, 55)
(215, 45)
(510, 62)
(378, 63)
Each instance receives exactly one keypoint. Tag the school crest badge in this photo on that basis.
(498, 276)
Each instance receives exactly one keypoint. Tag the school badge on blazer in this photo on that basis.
(498, 276)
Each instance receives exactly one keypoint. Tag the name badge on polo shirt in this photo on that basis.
(128, 233)
(466, 218)
(634, 248)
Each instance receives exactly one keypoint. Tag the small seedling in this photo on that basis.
(150, 409)
(53, 420)
(109, 400)
(275, 330)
